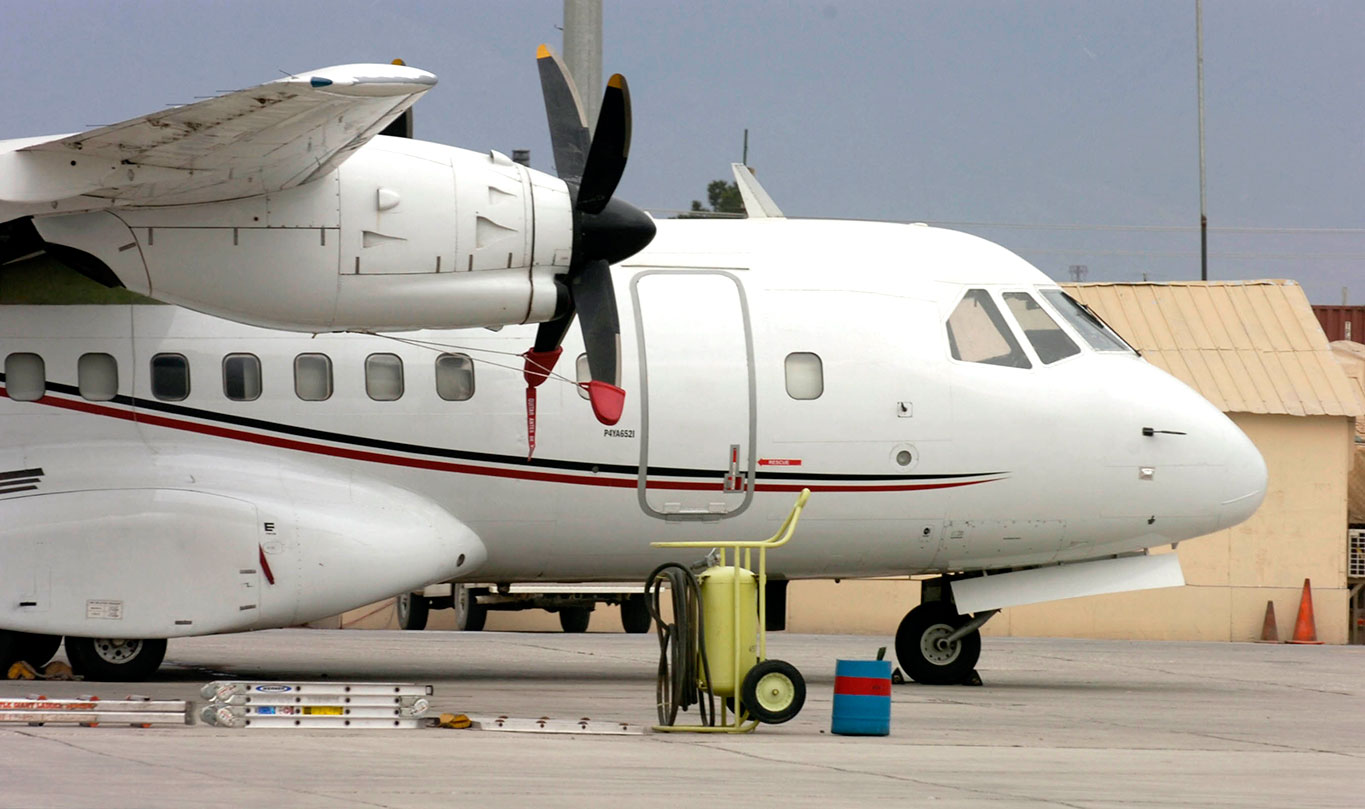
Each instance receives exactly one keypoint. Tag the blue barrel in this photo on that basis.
(862, 698)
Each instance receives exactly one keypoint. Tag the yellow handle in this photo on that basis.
(783, 535)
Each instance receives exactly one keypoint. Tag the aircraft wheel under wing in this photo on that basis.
(36, 650)
(921, 647)
(412, 609)
(574, 619)
(470, 615)
(115, 659)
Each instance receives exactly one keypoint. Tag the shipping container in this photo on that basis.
(1342, 322)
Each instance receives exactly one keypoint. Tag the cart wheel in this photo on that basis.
(773, 692)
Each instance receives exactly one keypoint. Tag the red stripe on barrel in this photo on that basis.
(862, 686)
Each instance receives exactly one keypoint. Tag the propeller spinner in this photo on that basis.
(605, 230)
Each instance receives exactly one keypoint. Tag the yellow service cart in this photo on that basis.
(715, 647)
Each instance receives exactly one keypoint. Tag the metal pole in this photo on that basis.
(1203, 216)
(583, 52)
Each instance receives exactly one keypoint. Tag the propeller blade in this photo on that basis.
(609, 150)
(595, 300)
(564, 111)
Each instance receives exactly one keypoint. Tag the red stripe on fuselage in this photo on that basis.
(368, 456)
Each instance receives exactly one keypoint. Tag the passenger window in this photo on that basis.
(1093, 330)
(25, 377)
(384, 377)
(97, 377)
(1042, 331)
(313, 377)
(242, 377)
(454, 377)
(805, 375)
(582, 373)
(170, 377)
(977, 333)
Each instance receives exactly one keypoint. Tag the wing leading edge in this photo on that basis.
(259, 140)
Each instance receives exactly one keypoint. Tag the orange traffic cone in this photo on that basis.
(1305, 629)
(1270, 631)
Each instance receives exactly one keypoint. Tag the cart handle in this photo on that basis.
(783, 535)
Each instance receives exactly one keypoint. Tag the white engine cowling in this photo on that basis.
(404, 235)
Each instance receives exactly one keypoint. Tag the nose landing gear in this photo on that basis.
(936, 646)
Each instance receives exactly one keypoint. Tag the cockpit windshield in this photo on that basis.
(1047, 338)
(1093, 330)
(977, 332)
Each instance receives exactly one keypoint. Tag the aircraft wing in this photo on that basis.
(266, 138)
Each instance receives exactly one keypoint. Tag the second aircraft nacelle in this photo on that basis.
(404, 235)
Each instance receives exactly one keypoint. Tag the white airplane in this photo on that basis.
(244, 459)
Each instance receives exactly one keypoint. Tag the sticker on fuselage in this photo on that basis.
(108, 610)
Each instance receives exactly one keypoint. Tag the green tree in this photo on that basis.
(723, 196)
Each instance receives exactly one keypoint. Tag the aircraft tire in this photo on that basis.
(635, 615)
(36, 650)
(10, 641)
(469, 614)
(574, 619)
(115, 660)
(919, 654)
(412, 610)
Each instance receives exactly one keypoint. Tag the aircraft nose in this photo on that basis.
(1245, 479)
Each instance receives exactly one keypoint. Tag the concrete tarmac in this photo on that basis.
(1092, 724)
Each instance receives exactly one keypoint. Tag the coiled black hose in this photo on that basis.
(681, 651)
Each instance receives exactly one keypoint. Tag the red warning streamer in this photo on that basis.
(530, 422)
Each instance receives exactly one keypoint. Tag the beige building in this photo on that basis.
(1255, 350)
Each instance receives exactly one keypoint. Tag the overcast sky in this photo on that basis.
(1066, 131)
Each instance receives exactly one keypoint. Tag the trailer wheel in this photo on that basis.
(412, 609)
(635, 614)
(470, 615)
(574, 619)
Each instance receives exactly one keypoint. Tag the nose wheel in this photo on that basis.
(926, 651)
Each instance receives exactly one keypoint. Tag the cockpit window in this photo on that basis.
(1048, 339)
(977, 333)
(1093, 330)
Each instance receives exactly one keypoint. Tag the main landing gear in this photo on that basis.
(102, 659)
(115, 659)
(36, 650)
(935, 645)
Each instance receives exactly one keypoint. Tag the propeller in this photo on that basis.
(605, 230)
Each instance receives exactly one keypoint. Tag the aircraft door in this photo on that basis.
(698, 414)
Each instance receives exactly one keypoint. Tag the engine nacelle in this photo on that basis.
(404, 235)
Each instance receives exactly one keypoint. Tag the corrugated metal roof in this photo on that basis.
(1247, 346)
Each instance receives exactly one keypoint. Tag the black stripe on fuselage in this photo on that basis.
(481, 457)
